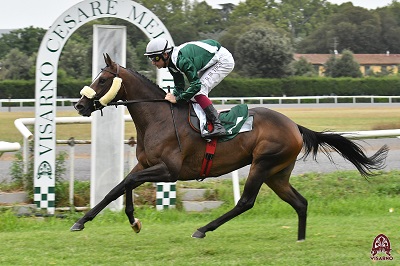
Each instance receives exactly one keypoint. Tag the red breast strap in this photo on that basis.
(208, 156)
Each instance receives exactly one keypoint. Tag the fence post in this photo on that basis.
(71, 143)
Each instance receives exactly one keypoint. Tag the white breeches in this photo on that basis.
(213, 75)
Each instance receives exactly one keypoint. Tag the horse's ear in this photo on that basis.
(107, 59)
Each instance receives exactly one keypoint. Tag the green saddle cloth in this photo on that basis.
(233, 121)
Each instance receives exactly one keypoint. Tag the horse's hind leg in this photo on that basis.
(279, 183)
(246, 202)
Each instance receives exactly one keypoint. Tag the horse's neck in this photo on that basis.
(140, 88)
(148, 111)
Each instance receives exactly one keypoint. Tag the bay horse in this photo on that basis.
(271, 147)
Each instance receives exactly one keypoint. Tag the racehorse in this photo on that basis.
(168, 149)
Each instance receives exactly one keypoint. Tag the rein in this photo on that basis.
(125, 103)
(135, 101)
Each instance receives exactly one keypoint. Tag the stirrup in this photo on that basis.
(214, 134)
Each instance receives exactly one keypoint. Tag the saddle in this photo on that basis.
(194, 121)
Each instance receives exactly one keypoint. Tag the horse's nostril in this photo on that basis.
(78, 107)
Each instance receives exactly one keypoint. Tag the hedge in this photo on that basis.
(303, 86)
(25, 89)
(240, 87)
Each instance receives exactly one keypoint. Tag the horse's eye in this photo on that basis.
(102, 81)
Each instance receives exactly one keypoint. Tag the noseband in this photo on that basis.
(99, 101)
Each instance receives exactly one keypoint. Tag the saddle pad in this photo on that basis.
(235, 120)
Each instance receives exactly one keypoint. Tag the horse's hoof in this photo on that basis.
(77, 227)
(137, 225)
(198, 234)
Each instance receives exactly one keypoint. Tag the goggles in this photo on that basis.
(155, 58)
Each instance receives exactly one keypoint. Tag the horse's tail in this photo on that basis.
(348, 149)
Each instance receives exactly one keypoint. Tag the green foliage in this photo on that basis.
(230, 36)
(17, 89)
(298, 18)
(306, 86)
(17, 65)
(312, 26)
(25, 89)
(24, 180)
(303, 68)
(26, 40)
(344, 66)
(329, 66)
(17, 170)
(241, 87)
(76, 59)
(69, 88)
(355, 28)
(231, 87)
(263, 52)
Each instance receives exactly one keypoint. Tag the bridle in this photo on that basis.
(116, 74)
(96, 99)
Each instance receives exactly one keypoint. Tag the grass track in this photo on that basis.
(346, 213)
(261, 240)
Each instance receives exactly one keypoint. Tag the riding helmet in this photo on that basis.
(158, 46)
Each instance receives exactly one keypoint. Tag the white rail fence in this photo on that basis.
(31, 102)
(242, 100)
(309, 99)
(21, 124)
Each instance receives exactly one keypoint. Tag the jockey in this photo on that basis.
(204, 63)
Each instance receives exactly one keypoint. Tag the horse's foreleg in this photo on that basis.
(157, 173)
(246, 202)
(114, 194)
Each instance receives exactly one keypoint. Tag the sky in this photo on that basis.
(15, 14)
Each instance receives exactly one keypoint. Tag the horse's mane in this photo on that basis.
(152, 84)
(144, 78)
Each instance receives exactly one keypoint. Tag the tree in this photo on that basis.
(17, 65)
(298, 17)
(76, 60)
(345, 66)
(329, 66)
(301, 17)
(26, 40)
(232, 33)
(353, 28)
(302, 67)
(390, 28)
(263, 52)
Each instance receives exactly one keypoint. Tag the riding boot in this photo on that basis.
(212, 116)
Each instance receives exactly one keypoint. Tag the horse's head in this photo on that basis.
(104, 89)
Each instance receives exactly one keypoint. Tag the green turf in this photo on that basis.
(346, 213)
